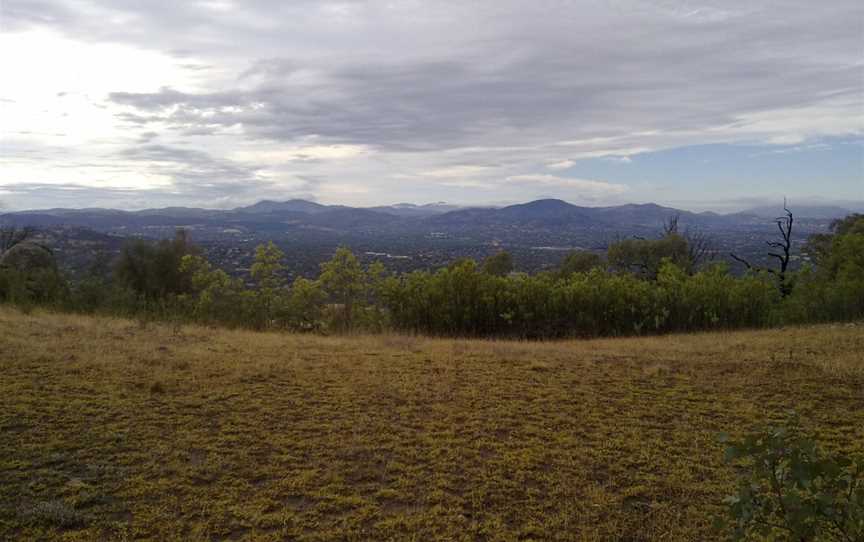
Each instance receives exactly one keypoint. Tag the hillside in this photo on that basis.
(546, 215)
(111, 429)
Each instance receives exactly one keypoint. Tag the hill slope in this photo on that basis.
(111, 429)
(404, 218)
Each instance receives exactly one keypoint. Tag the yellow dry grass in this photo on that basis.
(113, 430)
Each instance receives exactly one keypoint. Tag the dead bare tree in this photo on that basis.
(782, 251)
(700, 246)
(671, 224)
(11, 236)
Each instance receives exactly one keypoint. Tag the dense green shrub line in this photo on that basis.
(461, 300)
(647, 286)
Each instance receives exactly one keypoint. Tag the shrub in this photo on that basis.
(789, 489)
(153, 270)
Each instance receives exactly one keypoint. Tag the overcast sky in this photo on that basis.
(699, 104)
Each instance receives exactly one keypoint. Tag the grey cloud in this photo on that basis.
(561, 86)
(195, 177)
(567, 70)
(271, 67)
(44, 195)
(431, 85)
(169, 98)
(20, 14)
(24, 196)
(193, 170)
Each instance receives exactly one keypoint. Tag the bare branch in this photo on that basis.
(671, 225)
(784, 225)
(700, 247)
(742, 260)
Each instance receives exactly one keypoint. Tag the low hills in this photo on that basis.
(537, 233)
(546, 214)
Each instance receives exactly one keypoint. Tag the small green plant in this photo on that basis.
(789, 489)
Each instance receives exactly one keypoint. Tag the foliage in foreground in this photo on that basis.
(789, 489)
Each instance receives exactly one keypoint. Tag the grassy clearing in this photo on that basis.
(111, 430)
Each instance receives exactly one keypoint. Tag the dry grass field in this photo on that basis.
(111, 430)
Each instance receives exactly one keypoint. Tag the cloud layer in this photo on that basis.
(367, 102)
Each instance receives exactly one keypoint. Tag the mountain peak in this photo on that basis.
(547, 203)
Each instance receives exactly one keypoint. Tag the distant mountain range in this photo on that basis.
(550, 215)
(558, 213)
(805, 211)
(405, 237)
